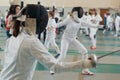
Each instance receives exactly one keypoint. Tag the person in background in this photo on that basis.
(85, 17)
(13, 11)
(51, 35)
(57, 19)
(105, 20)
(110, 22)
(94, 18)
(117, 25)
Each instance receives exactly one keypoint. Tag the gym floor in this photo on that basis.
(108, 68)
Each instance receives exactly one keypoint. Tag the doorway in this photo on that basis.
(102, 13)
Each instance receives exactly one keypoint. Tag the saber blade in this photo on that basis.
(108, 54)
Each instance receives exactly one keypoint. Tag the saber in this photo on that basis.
(108, 54)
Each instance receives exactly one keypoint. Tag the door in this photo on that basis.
(102, 12)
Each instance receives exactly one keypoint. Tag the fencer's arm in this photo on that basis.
(43, 56)
(41, 53)
(99, 18)
(62, 23)
(88, 24)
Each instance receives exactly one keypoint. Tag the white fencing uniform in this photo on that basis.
(85, 17)
(69, 37)
(97, 19)
(117, 25)
(110, 22)
(50, 36)
(20, 57)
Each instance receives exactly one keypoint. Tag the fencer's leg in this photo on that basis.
(52, 71)
(47, 42)
(91, 37)
(111, 27)
(117, 30)
(64, 48)
(86, 71)
(104, 31)
(80, 47)
(93, 40)
(87, 32)
(84, 52)
(55, 46)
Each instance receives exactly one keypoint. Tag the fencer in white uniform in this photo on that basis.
(110, 21)
(73, 23)
(85, 17)
(93, 18)
(51, 35)
(23, 50)
(117, 24)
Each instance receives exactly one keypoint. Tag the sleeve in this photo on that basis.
(41, 54)
(44, 57)
(88, 24)
(99, 18)
(63, 23)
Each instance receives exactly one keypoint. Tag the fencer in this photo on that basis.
(117, 24)
(85, 16)
(73, 23)
(93, 18)
(23, 50)
(110, 21)
(51, 35)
